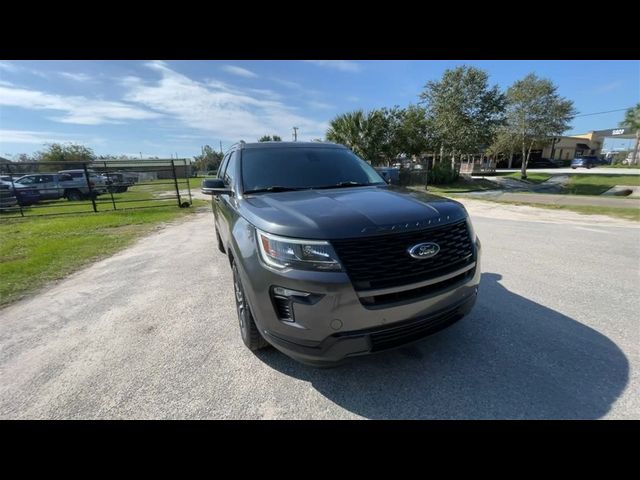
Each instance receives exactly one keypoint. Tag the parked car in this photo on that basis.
(53, 186)
(542, 163)
(99, 182)
(390, 174)
(24, 194)
(118, 182)
(329, 261)
(587, 162)
(8, 200)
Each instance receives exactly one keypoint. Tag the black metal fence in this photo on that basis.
(59, 188)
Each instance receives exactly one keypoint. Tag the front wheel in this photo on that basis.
(248, 329)
(74, 195)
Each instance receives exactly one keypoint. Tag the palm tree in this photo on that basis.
(349, 130)
(632, 121)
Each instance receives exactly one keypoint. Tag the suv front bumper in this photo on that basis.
(341, 323)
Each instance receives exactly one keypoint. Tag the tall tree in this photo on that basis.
(463, 109)
(208, 160)
(70, 152)
(632, 121)
(270, 138)
(536, 112)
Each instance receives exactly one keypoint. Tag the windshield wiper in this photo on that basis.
(347, 184)
(275, 188)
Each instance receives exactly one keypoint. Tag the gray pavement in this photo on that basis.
(152, 333)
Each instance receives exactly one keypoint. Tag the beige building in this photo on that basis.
(568, 148)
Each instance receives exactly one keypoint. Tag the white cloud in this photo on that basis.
(239, 71)
(609, 87)
(77, 109)
(218, 108)
(288, 83)
(9, 67)
(78, 77)
(42, 137)
(353, 98)
(320, 105)
(343, 65)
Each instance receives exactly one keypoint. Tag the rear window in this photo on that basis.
(304, 168)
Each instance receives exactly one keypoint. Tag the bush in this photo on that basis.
(443, 173)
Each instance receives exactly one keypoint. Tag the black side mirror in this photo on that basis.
(214, 186)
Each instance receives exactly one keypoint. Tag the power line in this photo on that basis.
(598, 113)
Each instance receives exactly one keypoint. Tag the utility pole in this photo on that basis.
(295, 134)
(140, 155)
(220, 147)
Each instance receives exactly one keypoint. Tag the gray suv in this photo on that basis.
(330, 261)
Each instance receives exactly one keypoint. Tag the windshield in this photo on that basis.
(296, 168)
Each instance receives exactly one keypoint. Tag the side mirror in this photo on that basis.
(215, 186)
(387, 179)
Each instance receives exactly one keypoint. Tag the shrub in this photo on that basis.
(443, 173)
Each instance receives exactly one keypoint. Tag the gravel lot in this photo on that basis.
(152, 333)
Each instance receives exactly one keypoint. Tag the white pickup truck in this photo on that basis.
(69, 184)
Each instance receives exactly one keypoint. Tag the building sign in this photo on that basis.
(616, 132)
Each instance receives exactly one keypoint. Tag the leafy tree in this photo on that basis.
(369, 134)
(505, 142)
(70, 152)
(208, 160)
(414, 134)
(464, 112)
(270, 138)
(536, 112)
(632, 121)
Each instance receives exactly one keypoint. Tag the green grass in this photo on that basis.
(533, 177)
(616, 212)
(621, 166)
(37, 250)
(596, 184)
(461, 185)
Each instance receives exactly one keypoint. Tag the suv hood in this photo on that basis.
(347, 212)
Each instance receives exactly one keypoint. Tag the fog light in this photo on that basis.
(287, 292)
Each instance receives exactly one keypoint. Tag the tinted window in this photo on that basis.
(26, 180)
(230, 172)
(304, 168)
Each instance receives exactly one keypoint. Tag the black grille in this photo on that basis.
(394, 337)
(406, 295)
(283, 307)
(383, 261)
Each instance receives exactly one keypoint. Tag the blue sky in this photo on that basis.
(167, 107)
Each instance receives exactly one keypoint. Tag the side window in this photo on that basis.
(46, 178)
(26, 180)
(64, 177)
(223, 165)
(230, 172)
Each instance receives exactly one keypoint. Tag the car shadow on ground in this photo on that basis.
(509, 358)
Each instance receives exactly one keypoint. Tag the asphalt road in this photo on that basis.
(152, 333)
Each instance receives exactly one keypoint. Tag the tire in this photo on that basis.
(220, 245)
(73, 195)
(248, 330)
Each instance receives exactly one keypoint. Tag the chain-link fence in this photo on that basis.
(59, 188)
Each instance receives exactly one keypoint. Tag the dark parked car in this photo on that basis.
(542, 163)
(587, 162)
(330, 261)
(24, 194)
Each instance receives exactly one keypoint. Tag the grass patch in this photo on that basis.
(596, 184)
(616, 212)
(37, 250)
(462, 185)
(618, 165)
(533, 177)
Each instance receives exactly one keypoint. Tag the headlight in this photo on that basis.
(282, 252)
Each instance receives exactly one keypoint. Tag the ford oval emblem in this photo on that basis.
(422, 251)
